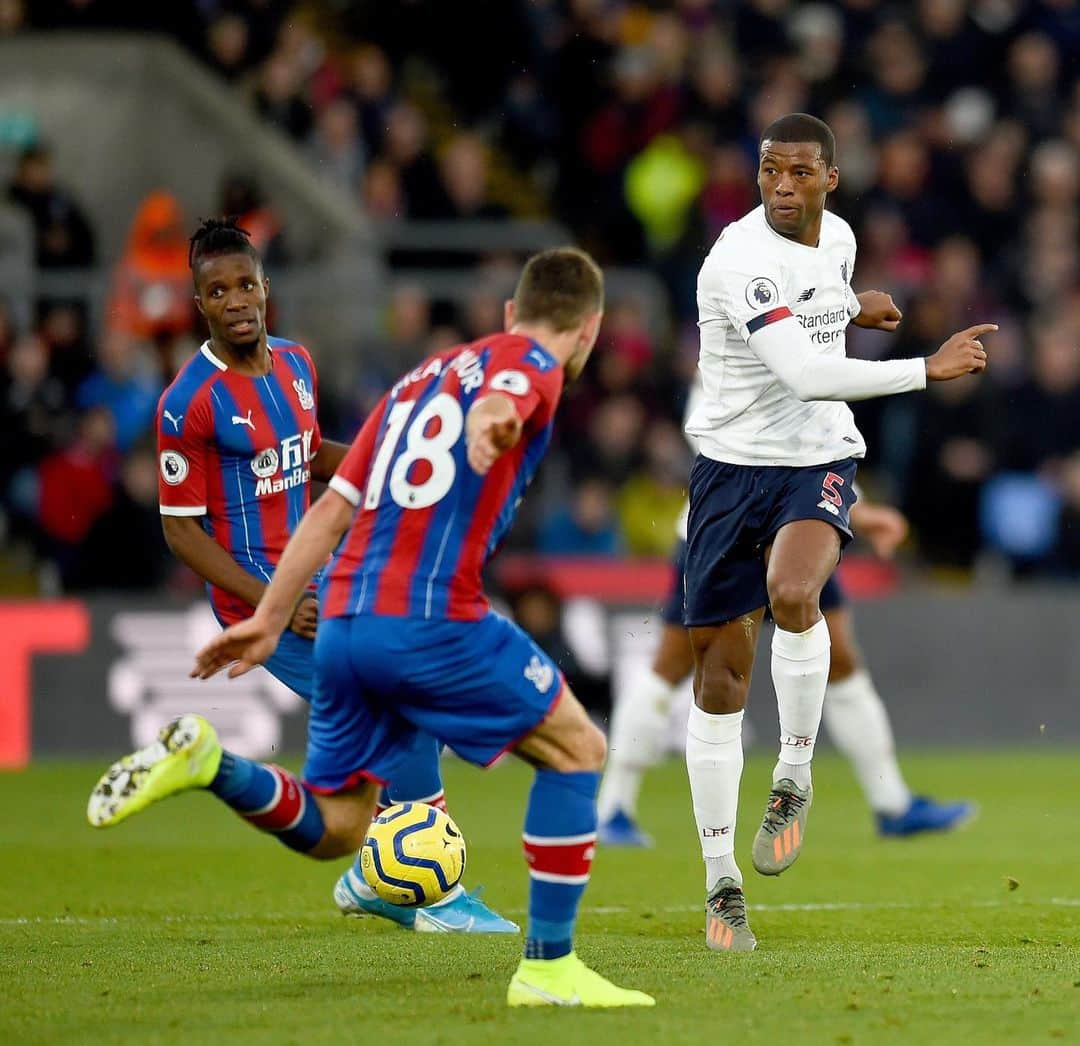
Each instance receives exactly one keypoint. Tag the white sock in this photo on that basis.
(800, 671)
(714, 762)
(639, 727)
(859, 726)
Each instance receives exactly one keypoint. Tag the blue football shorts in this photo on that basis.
(735, 512)
(382, 682)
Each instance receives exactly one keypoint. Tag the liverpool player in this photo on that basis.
(772, 488)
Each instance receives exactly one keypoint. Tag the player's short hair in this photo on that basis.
(802, 127)
(217, 236)
(560, 287)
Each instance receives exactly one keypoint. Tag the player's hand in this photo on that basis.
(883, 526)
(962, 354)
(305, 618)
(878, 313)
(494, 439)
(248, 643)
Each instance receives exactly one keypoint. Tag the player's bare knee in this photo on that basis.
(721, 690)
(794, 604)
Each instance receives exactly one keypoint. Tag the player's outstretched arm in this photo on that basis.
(492, 427)
(962, 354)
(251, 642)
(785, 348)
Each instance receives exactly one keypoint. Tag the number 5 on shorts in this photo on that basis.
(830, 491)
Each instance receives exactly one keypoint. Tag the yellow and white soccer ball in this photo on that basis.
(413, 855)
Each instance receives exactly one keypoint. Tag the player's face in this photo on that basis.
(794, 182)
(232, 296)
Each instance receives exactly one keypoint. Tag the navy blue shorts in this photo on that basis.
(383, 682)
(735, 512)
(832, 595)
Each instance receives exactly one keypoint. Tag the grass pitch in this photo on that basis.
(185, 924)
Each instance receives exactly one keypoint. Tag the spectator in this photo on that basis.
(125, 548)
(227, 46)
(33, 410)
(406, 147)
(279, 98)
(63, 238)
(241, 197)
(336, 148)
(584, 527)
(127, 383)
(952, 458)
(464, 166)
(651, 501)
(151, 296)
(75, 488)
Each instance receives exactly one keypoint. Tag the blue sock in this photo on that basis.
(559, 840)
(270, 799)
(419, 778)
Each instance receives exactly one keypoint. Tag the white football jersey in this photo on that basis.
(752, 277)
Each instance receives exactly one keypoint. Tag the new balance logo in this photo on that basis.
(175, 421)
(829, 507)
(806, 295)
(237, 420)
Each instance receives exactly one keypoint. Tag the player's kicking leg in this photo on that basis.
(858, 724)
(799, 563)
(559, 839)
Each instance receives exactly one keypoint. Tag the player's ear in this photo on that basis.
(832, 179)
(199, 305)
(508, 314)
(591, 329)
(266, 286)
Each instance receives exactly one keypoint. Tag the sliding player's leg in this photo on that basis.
(639, 722)
(858, 724)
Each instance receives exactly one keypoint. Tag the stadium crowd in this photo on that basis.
(635, 125)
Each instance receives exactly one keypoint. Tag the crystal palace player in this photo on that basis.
(771, 490)
(407, 641)
(239, 442)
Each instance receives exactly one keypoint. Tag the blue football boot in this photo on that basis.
(926, 815)
(620, 829)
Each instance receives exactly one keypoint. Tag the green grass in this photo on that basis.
(184, 923)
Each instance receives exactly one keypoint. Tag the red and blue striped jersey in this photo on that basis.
(236, 450)
(427, 522)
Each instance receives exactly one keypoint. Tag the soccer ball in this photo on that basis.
(413, 855)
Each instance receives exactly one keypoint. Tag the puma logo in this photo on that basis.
(237, 420)
(175, 421)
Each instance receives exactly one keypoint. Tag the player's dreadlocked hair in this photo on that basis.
(216, 236)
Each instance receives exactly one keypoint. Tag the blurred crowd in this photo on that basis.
(635, 125)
